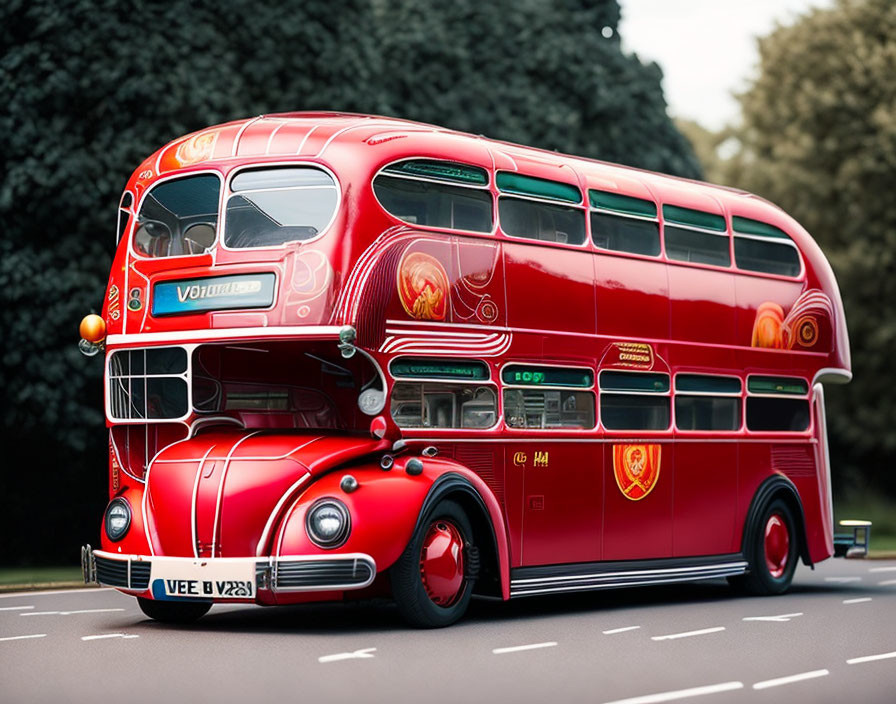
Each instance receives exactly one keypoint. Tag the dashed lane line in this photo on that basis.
(882, 569)
(887, 582)
(69, 613)
(842, 580)
(354, 655)
(50, 592)
(518, 648)
(857, 601)
(620, 630)
(15, 608)
(871, 658)
(681, 693)
(103, 636)
(790, 679)
(688, 634)
(34, 635)
(782, 618)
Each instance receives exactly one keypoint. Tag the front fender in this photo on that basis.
(386, 508)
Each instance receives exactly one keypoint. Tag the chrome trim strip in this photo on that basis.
(182, 336)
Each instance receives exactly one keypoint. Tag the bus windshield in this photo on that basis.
(179, 217)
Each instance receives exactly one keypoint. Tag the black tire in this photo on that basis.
(760, 579)
(182, 612)
(414, 603)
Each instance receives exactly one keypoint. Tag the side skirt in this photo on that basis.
(549, 579)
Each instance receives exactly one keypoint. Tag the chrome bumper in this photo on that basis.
(280, 575)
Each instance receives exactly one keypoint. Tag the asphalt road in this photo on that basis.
(831, 639)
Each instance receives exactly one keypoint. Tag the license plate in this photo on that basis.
(204, 579)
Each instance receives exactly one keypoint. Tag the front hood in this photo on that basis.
(213, 495)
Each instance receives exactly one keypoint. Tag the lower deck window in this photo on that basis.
(548, 408)
(782, 414)
(631, 412)
(148, 384)
(707, 413)
(434, 405)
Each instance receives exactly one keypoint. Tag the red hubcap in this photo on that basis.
(442, 562)
(777, 545)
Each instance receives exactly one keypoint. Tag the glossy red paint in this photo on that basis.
(238, 482)
(442, 562)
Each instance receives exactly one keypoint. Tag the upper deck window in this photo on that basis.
(179, 217)
(269, 207)
(624, 224)
(761, 247)
(696, 236)
(436, 194)
(533, 216)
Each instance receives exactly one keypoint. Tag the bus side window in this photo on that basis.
(634, 400)
(705, 402)
(416, 404)
(777, 404)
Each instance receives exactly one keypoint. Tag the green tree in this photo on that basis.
(819, 139)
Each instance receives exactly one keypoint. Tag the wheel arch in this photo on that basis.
(777, 487)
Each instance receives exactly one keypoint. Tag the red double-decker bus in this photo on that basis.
(349, 356)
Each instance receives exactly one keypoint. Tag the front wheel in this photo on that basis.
(182, 612)
(430, 581)
(772, 551)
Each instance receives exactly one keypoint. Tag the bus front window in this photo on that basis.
(179, 217)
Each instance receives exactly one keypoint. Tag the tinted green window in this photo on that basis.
(707, 413)
(694, 218)
(622, 204)
(625, 234)
(524, 375)
(541, 221)
(441, 170)
(755, 227)
(777, 414)
(510, 182)
(777, 385)
(697, 247)
(633, 381)
(707, 384)
(546, 408)
(626, 412)
(766, 257)
(439, 369)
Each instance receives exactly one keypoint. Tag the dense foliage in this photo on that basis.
(819, 139)
(91, 87)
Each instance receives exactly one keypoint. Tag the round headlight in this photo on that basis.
(118, 519)
(327, 523)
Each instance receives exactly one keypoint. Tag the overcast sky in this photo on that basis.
(706, 48)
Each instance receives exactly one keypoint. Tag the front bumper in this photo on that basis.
(141, 573)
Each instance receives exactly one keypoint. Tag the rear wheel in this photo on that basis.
(771, 551)
(430, 580)
(174, 611)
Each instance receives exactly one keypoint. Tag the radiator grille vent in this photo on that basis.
(482, 461)
(794, 461)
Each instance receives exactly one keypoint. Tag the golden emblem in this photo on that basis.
(637, 469)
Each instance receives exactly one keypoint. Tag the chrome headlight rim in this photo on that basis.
(119, 535)
(342, 536)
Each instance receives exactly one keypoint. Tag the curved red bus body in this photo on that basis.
(618, 369)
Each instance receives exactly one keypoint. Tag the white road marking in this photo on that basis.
(517, 648)
(845, 601)
(69, 613)
(842, 580)
(681, 694)
(36, 635)
(790, 679)
(882, 569)
(15, 608)
(782, 618)
(109, 635)
(887, 582)
(871, 658)
(620, 630)
(688, 634)
(355, 655)
(83, 590)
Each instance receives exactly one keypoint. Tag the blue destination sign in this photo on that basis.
(213, 293)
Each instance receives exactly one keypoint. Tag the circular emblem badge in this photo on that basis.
(423, 286)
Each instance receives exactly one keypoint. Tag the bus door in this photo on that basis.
(553, 465)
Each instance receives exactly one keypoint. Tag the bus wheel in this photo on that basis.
(772, 551)
(430, 580)
(174, 611)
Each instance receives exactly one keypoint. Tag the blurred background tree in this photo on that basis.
(819, 139)
(91, 87)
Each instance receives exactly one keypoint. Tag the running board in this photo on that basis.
(530, 581)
